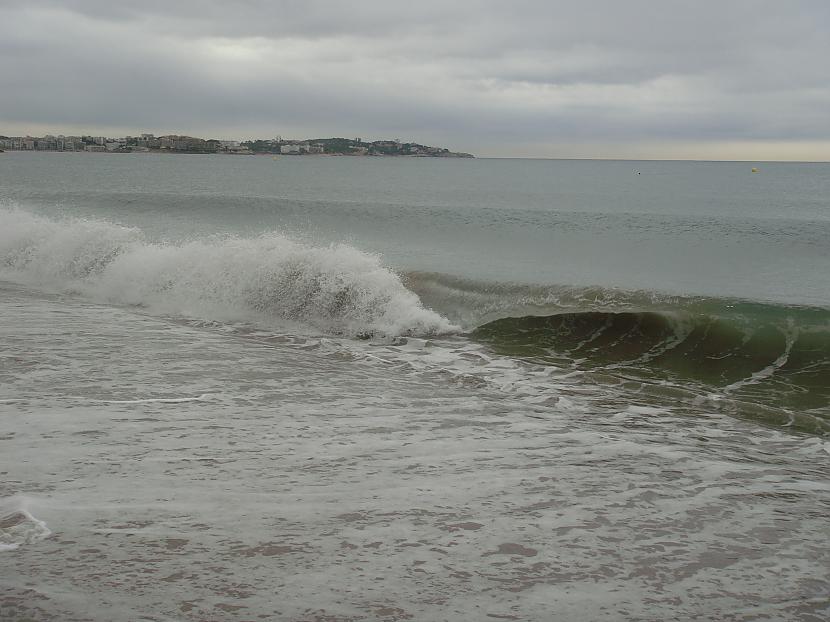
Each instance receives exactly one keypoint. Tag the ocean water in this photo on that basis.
(245, 388)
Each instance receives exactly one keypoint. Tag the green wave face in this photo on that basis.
(754, 357)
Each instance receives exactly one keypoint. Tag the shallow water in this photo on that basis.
(197, 427)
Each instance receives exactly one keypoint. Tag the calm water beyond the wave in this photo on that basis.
(335, 389)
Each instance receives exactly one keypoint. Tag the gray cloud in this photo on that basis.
(471, 75)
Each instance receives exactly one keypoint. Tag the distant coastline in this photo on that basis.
(175, 143)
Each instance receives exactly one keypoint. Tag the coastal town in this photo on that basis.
(149, 143)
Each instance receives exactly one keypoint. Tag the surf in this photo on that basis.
(766, 360)
(744, 355)
(750, 354)
(335, 288)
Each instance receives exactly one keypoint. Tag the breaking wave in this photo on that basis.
(335, 288)
(769, 362)
(763, 354)
(750, 354)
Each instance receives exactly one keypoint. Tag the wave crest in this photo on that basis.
(335, 288)
(776, 356)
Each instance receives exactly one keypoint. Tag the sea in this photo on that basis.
(339, 389)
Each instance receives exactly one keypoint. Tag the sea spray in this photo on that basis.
(334, 288)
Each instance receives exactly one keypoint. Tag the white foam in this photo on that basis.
(335, 288)
(18, 526)
(159, 400)
(790, 335)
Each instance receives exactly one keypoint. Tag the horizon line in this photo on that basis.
(572, 159)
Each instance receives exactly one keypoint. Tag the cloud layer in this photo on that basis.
(537, 78)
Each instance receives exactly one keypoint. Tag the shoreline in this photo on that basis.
(273, 155)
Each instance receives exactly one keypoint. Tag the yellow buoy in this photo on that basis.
(754, 170)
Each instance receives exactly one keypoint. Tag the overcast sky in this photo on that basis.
(719, 79)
